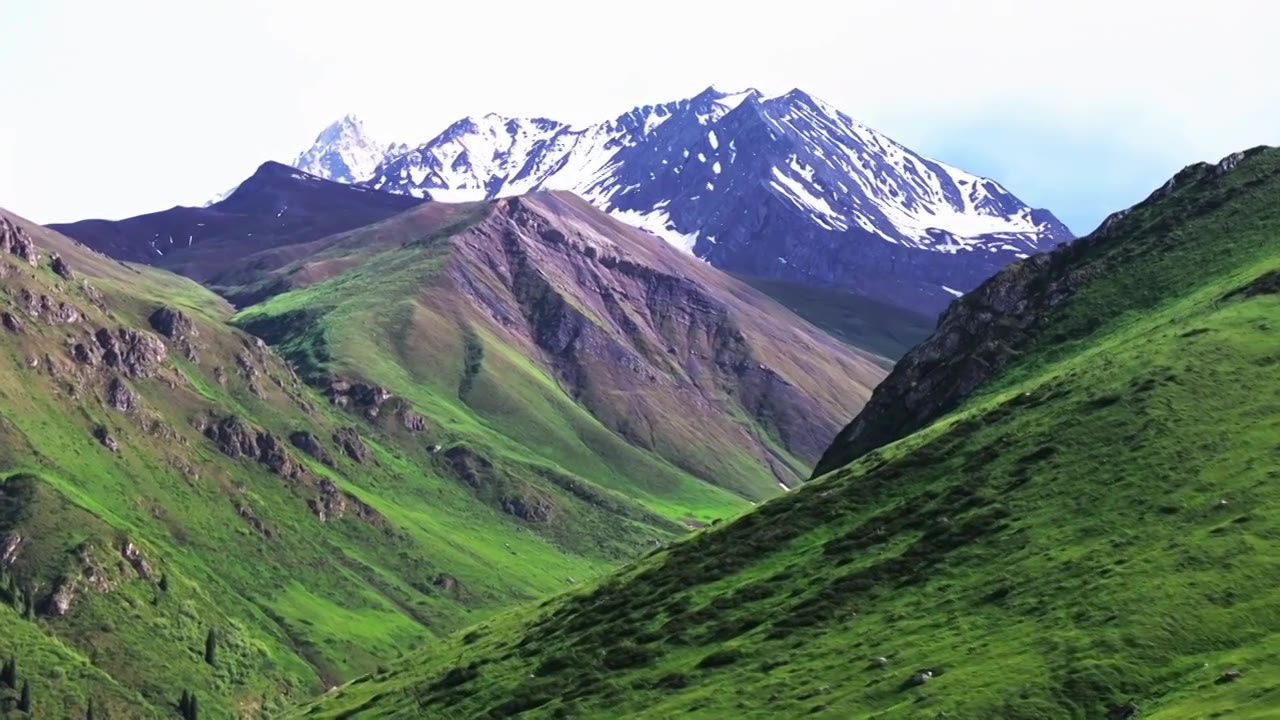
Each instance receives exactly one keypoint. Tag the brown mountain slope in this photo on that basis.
(673, 356)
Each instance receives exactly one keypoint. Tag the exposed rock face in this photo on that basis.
(120, 397)
(310, 444)
(60, 268)
(11, 323)
(237, 439)
(137, 354)
(349, 441)
(15, 240)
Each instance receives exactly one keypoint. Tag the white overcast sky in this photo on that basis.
(109, 109)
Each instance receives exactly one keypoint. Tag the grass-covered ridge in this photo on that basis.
(1092, 527)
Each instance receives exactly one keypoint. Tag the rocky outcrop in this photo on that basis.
(120, 397)
(530, 508)
(136, 353)
(310, 444)
(60, 268)
(136, 560)
(59, 603)
(102, 435)
(10, 546)
(348, 440)
(15, 240)
(334, 504)
(238, 439)
(172, 324)
(252, 520)
(11, 322)
(44, 308)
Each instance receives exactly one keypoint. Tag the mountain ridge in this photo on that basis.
(782, 208)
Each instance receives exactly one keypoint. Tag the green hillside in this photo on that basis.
(1078, 525)
(164, 476)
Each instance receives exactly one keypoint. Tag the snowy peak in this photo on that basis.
(344, 152)
(782, 186)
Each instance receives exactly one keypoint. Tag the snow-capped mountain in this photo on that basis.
(783, 187)
(344, 152)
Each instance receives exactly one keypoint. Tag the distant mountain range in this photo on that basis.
(784, 187)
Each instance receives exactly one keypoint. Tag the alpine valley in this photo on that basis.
(726, 407)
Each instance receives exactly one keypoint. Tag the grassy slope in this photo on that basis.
(876, 327)
(1096, 525)
(315, 602)
(381, 320)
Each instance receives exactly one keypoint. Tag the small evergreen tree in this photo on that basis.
(184, 705)
(194, 713)
(9, 673)
(29, 609)
(164, 582)
(25, 703)
(88, 713)
(211, 647)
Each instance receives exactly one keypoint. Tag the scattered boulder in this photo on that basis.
(879, 662)
(60, 268)
(920, 677)
(133, 555)
(349, 441)
(120, 397)
(11, 322)
(310, 444)
(102, 435)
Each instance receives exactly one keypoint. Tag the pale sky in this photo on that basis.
(109, 109)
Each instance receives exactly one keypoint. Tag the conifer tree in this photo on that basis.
(164, 582)
(211, 647)
(9, 673)
(194, 709)
(88, 713)
(25, 703)
(184, 705)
